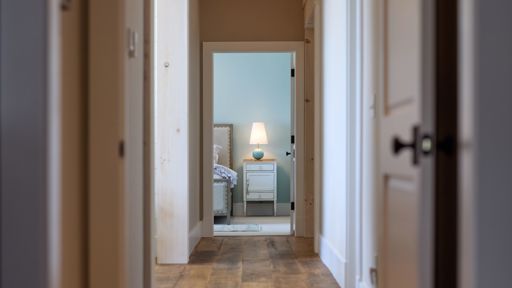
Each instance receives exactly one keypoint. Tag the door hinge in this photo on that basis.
(292, 206)
(293, 72)
(373, 275)
(121, 149)
(292, 139)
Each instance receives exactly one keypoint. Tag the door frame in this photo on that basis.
(362, 177)
(356, 146)
(209, 48)
(446, 197)
(149, 99)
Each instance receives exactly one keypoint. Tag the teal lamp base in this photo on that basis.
(257, 154)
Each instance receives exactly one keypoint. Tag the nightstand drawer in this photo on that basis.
(260, 196)
(260, 167)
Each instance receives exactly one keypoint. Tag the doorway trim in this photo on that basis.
(209, 48)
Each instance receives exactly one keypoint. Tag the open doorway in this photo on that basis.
(252, 147)
(252, 138)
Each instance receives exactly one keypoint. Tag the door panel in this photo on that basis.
(402, 54)
(399, 223)
(400, 177)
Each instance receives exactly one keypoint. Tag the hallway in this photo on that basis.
(249, 262)
(402, 174)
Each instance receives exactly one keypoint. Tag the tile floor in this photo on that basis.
(225, 262)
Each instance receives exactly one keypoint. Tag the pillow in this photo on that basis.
(216, 152)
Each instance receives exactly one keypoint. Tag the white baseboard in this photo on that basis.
(362, 284)
(283, 209)
(194, 236)
(334, 262)
(238, 209)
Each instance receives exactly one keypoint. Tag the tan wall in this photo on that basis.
(252, 20)
(73, 107)
(115, 101)
(105, 194)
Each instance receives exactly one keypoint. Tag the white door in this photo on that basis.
(404, 208)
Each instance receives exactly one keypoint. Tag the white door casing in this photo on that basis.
(171, 131)
(403, 180)
(209, 48)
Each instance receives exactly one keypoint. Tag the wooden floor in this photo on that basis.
(225, 262)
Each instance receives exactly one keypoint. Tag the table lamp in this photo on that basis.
(258, 136)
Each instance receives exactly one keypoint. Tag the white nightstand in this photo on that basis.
(260, 182)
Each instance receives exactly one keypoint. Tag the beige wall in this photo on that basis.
(105, 73)
(115, 181)
(252, 20)
(73, 107)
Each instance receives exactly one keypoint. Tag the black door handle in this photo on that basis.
(399, 145)
(288, 153)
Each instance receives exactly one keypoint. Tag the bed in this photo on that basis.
(224, 178)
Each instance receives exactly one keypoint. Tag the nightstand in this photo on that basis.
(260, 182)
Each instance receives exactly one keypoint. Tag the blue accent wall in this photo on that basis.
(256, 87)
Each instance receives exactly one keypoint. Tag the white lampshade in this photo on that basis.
(258, 133)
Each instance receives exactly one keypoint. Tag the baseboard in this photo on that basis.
(283, 209)
(238, 209)
(255, 208)
(334, 262)
(362, 284)
(173, 258)
(194, 236)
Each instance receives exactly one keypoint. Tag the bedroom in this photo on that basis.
(252, 150)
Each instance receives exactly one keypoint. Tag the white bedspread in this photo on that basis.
(225, 173)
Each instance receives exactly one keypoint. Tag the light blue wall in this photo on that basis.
(256, 87)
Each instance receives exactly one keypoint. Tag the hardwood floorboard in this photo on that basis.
(248, 262)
